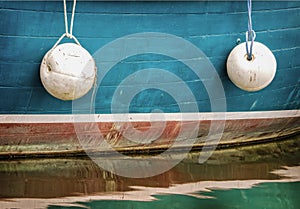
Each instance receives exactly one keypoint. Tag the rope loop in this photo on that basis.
(250, 34)
(250, 37)
(67, 34)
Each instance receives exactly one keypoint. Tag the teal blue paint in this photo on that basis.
(146, 7)
(266, 195)
(29, 29)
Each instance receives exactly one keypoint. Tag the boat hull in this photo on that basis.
(214, 27)
(139, 58)
(34, 135)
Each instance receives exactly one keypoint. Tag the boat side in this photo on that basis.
(34, 135)
(213, 27)
(35, 123)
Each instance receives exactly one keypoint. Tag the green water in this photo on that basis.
(262, 196)
(264, 176)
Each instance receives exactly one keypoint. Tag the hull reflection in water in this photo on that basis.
(256, 176)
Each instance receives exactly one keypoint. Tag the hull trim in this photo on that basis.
(146, 117)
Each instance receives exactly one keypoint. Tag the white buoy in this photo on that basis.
(68, 71)
(254, 74)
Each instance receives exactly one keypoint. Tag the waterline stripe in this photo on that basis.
(146, 117)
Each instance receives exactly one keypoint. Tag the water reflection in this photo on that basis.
(43, 182)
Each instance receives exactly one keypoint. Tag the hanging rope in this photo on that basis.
(250, 34)
(67, 33)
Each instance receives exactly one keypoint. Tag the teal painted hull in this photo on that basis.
(29, 29)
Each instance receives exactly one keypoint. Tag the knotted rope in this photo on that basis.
(250, 34)
(67, 34)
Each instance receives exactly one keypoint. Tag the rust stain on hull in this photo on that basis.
(62, 138)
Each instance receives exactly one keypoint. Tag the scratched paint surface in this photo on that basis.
(29, 29)
(60, 139)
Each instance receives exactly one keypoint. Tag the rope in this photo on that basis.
(250, 34)
(67, 34)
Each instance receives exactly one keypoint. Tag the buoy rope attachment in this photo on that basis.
(250, 34)
(67, 33)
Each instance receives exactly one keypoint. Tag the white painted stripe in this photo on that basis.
(147, 117)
